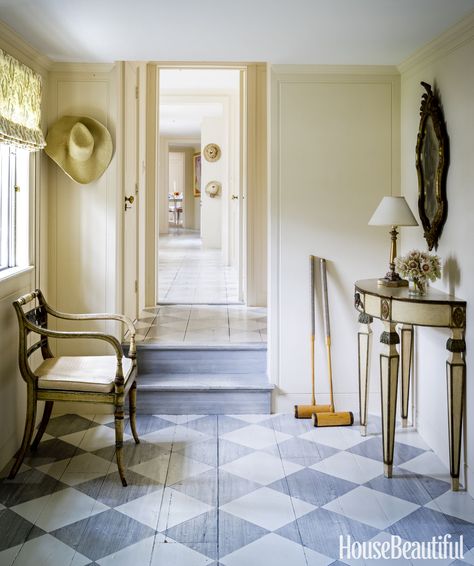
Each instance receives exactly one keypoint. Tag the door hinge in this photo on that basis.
(136, 188)
(136, 92)
(136, 286)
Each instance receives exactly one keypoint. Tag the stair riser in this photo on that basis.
(204, 403)
(201, 361)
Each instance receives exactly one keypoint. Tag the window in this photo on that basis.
(14, 209)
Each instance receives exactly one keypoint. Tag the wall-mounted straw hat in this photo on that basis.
(81, 146)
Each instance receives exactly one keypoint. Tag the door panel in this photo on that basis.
(130, 204)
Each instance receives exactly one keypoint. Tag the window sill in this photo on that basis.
(15, 279)
(13, 272)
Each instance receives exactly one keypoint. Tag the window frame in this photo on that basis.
(16, 209)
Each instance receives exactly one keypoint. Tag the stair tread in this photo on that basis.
(205, 381)
(247, 346)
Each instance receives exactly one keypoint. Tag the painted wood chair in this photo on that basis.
(91, 379)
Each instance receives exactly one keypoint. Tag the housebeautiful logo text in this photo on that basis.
(438, 548)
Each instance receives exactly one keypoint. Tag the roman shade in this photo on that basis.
(20, 104)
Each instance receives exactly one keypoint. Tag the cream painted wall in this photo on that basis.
(190, 201)
(257, 125)
(449, 66)
(334, 155)
(83, 219)
(12, 387)
(163, 174)
(213, 130)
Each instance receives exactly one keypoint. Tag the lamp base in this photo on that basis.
(386, 282)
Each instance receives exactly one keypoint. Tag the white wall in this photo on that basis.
(163, 176)
(83, 219)
(448, 65)
(214, 130)
(334, 155)
(190, 202)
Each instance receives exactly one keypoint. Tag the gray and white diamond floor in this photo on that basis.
(243, 490)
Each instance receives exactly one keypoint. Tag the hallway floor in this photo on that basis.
(237, 490)
(190, 274)
(202, 324)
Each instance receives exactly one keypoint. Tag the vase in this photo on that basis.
(417, 286)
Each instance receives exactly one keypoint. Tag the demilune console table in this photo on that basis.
(393, 305)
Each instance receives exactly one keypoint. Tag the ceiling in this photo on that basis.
(371, 32)
(187, 96)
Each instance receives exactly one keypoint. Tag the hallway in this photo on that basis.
(189, 274)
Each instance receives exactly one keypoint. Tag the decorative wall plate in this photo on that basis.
(213, 188)
(212, 152)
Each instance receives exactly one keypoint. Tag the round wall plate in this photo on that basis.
(213, 188)
(212, 152)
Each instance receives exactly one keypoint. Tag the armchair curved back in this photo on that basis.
(28, 319)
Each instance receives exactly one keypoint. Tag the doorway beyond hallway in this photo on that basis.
(189, 274)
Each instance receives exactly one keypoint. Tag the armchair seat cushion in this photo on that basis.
(81, 373)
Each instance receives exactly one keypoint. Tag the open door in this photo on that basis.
(130, 179)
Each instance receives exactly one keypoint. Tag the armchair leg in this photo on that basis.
(132, 398)
(119, 442)
(28, 433)
(48, 407)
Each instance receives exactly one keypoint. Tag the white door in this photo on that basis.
(239, 204)
(129, 203)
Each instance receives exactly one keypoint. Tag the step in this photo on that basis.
(203, 379)
(201, 359)
(200, 393)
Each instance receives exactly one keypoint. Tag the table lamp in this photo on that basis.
(394, 212)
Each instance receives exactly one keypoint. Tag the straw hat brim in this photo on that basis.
(80, 171)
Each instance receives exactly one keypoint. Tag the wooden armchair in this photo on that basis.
(91, 379)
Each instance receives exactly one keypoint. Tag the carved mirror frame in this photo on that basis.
(432, 159)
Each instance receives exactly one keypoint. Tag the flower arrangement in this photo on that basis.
(419, 267)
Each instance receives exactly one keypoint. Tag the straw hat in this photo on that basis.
(81, 146)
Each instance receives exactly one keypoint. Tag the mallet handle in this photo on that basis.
(327, 327)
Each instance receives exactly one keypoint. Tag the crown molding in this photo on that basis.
(452, 39)
(17, 47)
(335, 69)
(63, 67)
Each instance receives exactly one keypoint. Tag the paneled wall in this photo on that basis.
(12, 387)
(334, 155)
(448, 65)
(83, 219)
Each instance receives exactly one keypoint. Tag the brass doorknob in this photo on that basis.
(130, 200)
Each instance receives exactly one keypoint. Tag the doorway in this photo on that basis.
(201, 224)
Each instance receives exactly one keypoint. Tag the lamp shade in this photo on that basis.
(393, 211)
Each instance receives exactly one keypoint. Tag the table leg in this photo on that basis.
(364, 338)
(389, 361)
(456, 379)
(407, 357)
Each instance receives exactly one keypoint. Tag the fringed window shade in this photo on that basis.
(20, 104)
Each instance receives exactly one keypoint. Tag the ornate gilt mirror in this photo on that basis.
(432, 157)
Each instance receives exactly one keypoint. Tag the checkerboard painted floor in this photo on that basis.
(247, 490)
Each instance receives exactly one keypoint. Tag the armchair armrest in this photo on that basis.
(100, 316)
(73, 334)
